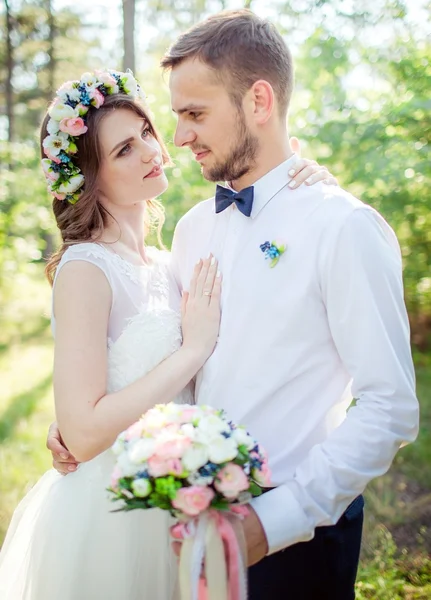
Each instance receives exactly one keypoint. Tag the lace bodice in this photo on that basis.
(144, 324)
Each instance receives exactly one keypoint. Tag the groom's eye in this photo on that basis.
(194, 115)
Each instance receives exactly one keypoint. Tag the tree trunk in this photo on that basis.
(51, 52)
(47, 237)
(129, 34)
(9, 69)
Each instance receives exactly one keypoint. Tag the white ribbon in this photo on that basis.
(206, 547)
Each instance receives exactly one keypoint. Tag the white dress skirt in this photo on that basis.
(64, 541)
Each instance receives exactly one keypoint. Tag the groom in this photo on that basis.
(299, 340)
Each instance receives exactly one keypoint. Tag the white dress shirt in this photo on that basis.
(299, 340)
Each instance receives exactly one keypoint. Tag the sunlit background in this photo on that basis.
(362, 107)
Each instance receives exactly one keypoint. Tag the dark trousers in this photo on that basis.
(322, 569)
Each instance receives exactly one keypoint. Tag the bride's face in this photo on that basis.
(131, 165)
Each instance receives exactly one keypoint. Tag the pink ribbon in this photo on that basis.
(234, 550)
(228, 535)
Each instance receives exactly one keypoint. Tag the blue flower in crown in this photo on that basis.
(273, 251)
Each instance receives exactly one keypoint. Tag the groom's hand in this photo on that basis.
(257, 544)
(62, 459)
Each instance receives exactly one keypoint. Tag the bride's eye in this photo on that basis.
(145, 132)
(124, 150)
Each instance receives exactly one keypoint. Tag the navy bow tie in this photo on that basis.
(224, 197)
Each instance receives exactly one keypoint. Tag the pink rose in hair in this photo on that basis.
(106, 78)
(57, 195)
(231, 480)
(51, 156)
(97, 98)
(75, 126)
(193, 500)
(52, 176)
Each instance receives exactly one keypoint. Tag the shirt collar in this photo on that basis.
(269, 185)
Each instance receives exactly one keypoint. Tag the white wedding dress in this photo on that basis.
(64, 541)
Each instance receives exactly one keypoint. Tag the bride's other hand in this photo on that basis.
(62, 459)
(307, 171)
(201, 309)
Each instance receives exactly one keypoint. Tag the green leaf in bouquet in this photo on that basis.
(131, 504)
(220, 504)
(157, 500)
(243, 456)
(125, 483)
(254, 489)
(134, 503)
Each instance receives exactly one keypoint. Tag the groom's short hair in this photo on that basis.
(241, 48)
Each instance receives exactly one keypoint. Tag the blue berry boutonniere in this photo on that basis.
(273, 251)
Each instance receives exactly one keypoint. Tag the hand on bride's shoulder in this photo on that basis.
(201, 308)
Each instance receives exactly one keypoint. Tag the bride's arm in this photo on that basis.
(89, 418)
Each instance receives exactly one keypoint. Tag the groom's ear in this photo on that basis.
(261, 101)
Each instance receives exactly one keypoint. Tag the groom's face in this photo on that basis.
(210, 124)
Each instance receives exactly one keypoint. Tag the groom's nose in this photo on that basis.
(184, 135)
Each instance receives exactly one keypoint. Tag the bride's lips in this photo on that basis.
(201, 155)
(155, 172)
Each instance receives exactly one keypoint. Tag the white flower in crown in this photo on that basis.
(50, 174)
(141, 94)
(67, 85)
(53, 127)
(59, 111)
(53, 144)
(141, 487)
(71, 94)
(89, 80)
(130, 84)
(74, 183)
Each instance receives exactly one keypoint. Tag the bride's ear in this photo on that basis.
(295, 145)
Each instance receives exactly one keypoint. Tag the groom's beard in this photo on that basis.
(240, 160)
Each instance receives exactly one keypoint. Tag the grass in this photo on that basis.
(395, 563)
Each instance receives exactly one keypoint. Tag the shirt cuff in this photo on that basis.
(282, 518)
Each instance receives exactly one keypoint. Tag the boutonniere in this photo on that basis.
(273, 251)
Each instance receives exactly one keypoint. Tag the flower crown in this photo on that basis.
(68, 121)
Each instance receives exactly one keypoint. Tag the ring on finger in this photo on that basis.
(207, 293)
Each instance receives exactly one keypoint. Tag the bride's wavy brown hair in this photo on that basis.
(86, 220)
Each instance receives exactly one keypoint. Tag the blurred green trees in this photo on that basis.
(362, 106)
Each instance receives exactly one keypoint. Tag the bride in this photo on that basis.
(124, 341)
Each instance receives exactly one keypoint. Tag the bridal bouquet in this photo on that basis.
(203, 469)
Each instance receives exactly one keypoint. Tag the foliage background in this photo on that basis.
(361, 107)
